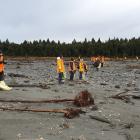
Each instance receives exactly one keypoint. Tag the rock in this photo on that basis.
(94, 107)
(104, 84)
(117, 86)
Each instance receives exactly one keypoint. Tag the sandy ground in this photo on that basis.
(113, 78)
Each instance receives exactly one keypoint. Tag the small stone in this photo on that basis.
(117, 86)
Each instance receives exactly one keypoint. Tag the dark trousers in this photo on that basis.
(60, 77)
(1, 76)
(71, 75)
(80, 75)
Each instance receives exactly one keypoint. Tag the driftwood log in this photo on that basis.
(84, 98)
(125, 97)
(100, 119)
(43, 86)
(37, 101)
(121, 97)
(68, 113)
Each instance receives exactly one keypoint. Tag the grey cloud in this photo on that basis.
(67, 19)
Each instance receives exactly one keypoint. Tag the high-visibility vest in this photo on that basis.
(63, 66)
(60, 66)
(1, 64)
(81, 66)
(1, 67)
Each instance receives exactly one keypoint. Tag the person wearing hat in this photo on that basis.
(60, 69)
(3, 86)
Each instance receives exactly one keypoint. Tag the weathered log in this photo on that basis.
(17, 75)
(120, 96)
(100, 119)
(37, 101)
(44, 86)
(84, 98)
(68, 113)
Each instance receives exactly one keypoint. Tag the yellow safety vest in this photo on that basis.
(81, 66)
(60, 66)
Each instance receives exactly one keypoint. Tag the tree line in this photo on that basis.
(42, 48)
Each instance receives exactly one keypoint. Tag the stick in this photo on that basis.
(34, 85)
(118, 95)
(100, 119)
(68, 113)
(38, 101)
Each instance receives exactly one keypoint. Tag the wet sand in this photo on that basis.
(115, 77)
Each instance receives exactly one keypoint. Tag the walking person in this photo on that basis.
(85, 68)
(60, 70)
(81, 70)
(72, 69)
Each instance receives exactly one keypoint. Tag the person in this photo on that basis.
(81, 70)
(137, 58)
(97, 64)
(63, 67)
(1, 66)
(102, 61)
(60, 70)
(85, 68)
(3, 86)
(72, 68)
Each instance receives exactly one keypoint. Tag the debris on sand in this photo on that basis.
(68, 113)
(17, 75)
(100, 119)
(117, 86)
(43, 86)
(122, 97)
(84, 98)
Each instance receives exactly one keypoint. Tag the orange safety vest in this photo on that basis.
(1, 64)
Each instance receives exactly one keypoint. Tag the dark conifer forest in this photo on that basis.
(87, 48)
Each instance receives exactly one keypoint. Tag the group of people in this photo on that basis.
(73, 66)
(98, 62)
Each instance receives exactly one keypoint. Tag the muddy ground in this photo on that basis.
(115, 77)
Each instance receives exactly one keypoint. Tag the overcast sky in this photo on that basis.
(65, 20)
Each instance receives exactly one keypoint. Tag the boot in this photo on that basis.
(3, 86)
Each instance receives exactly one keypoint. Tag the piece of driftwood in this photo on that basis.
(122, 97)
(84, 98)
(100, 119)
(43, 86)
(17, 75)
(125, 97)
(37, 101)
(68, 113)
